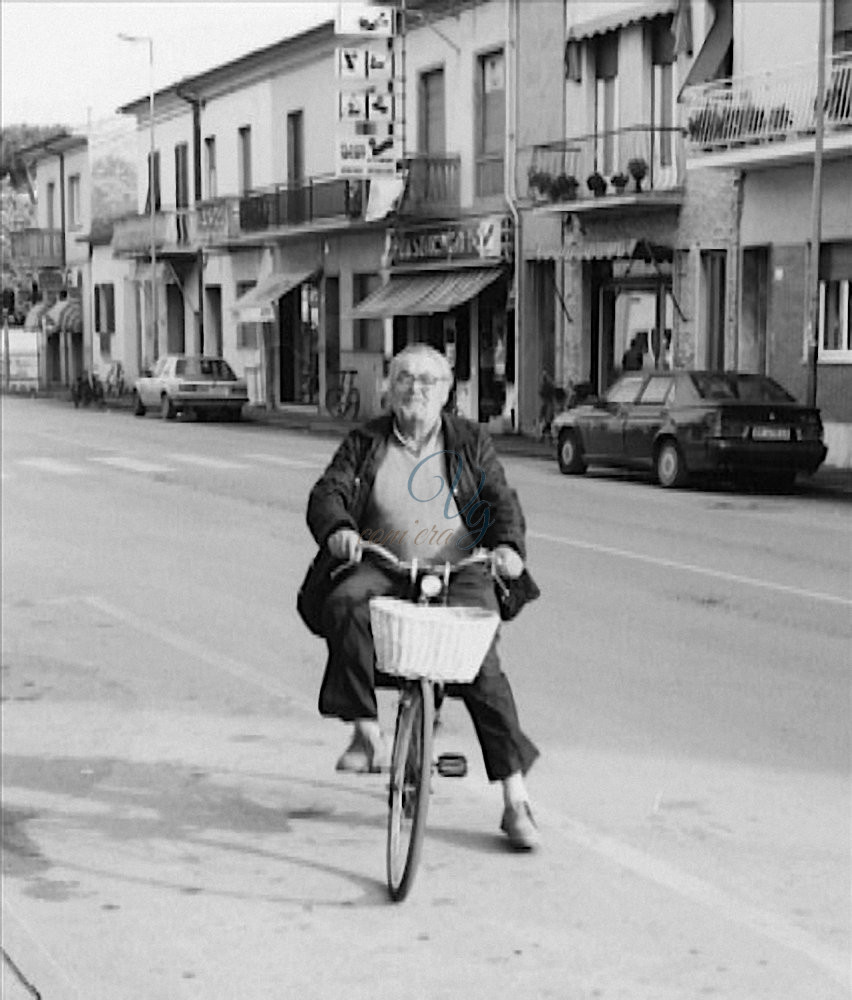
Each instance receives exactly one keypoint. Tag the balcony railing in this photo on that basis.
(633, 162)
(433, 185)
(37, 247)
(768, 107)
(315, 199)
(172, 231)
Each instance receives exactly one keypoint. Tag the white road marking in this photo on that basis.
(204, 460)
(750, 581)
(765, 923)
(169, 637)
(54, 465)
(294, 463)
(131, 464)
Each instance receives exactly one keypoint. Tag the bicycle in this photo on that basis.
(420, 647)
(343, 400)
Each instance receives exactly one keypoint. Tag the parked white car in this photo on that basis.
(183, 383)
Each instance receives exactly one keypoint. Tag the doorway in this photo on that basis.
(298, 344)
(635, 328)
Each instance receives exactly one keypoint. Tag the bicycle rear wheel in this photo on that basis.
(411, 773)
(352, 404)
(333, 399)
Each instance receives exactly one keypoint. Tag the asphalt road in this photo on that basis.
(173, 826)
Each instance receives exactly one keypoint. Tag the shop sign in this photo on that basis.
(366, 20)
(473, 239)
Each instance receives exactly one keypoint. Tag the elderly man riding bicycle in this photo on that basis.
(427, 486)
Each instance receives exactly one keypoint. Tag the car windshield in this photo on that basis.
(202, 368)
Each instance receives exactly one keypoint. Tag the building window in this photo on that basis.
(104, 308)
(842, 33)
(432, 119)
(606, 103)
(369, 333)
(295, 148)
(51, 205)
(74, 201)
(181, 175)
(491, 123)
(664, 92)
(156, 173)
(245, 158)
(835, 321)
(210, 164)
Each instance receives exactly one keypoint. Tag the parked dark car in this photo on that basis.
(679, 423)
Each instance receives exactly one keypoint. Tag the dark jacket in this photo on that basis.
(340, 497)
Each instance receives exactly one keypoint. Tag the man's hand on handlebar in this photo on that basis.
(345, 544)
(507, 562)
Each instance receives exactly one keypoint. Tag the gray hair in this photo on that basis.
(398, 360)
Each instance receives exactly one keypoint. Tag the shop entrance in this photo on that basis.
(632, 324)
(298, 344)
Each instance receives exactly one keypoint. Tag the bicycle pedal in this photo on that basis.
(452, 765)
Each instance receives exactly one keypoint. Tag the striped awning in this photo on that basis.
(33, 319)
(620, 18)
(601, 250)
(425, 294)
(256, 305)
(65, 316)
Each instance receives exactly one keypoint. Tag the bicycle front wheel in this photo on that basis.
(352, 405)
(411, 773)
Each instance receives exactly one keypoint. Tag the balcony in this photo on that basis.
(316, 199)
(215, 221)
(637, 167)
(37, 248)
(432, 188)
(172, 233)
(769, 118)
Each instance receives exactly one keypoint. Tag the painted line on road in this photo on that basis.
(292, 463)
(39, 966)
(766, 924)
(204, 460)
(53, 465)
(750, 581)
(227, 664)
(131, 464)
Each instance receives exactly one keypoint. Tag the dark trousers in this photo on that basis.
(348, 687)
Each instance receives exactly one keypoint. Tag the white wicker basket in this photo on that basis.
(444, 644)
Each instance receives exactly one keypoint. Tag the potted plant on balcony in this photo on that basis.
(637, 168)
(565, 188)
(596, 183)
(619, 181)
(540, 184)
(780, 120)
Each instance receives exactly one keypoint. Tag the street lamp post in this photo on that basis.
(152, 209)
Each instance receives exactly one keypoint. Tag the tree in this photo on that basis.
(14, 138)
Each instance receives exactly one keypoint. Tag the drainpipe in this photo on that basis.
(197, 103)
(812, 318)
(509, 192)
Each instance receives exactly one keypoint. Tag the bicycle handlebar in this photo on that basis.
(478, 556)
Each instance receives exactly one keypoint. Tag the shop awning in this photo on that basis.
(65, 316)
(257, 304)
(709, 60)
(33, 320)
(424, 294)
(602, 250)
(621, 18)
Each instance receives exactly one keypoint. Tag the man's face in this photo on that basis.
(419, 390)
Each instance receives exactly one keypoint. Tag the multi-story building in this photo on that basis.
(665, 190)
(52, 254)
(760, 122)
(293, 272)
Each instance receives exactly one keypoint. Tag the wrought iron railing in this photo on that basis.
(768, 107)
(433, 184)
(39, 247)
(627, 161)
(314, 199)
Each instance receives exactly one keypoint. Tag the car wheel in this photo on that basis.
(167, 411)
(570, 454)
(671, 468)
(138, 408)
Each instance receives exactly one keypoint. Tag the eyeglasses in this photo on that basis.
(405, 380)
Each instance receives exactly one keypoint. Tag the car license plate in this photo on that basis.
(764, 433)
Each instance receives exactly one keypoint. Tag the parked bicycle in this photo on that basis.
(422, 644)
(343, 401)
(115, 386)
